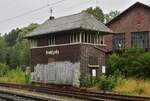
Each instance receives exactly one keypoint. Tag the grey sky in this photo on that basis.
(12, 8)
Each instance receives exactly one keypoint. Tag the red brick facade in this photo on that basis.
(134, 19)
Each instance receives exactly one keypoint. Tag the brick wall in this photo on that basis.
(135, 20)
(86, 52)
(72, 53)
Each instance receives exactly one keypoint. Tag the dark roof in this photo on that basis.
(137, 4)
(81, 20)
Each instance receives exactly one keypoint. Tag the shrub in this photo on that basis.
(131, 63)
(17, 76)
(106, 83)
(88, 81)
(3, 69)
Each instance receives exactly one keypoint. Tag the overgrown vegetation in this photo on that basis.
(14, 49)
(15, 55)
(13, 75)
(132, 63)
(118, 84)
(133, 87)
(127, 73)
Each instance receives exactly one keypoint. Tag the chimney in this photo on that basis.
(51, 17)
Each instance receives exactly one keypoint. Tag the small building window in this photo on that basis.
(33, 43)
(74, 37)
(51, 40)
(119, 40)
(140, 39)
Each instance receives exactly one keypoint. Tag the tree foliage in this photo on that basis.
(97, 12)
(132, 63)
(111, 15)
(14, 49)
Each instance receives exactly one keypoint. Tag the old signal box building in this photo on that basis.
(131, 28)
(67, 48)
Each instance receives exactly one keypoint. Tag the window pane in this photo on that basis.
(119, 40)
(140, 39)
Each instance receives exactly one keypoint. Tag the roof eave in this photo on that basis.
(136, 4)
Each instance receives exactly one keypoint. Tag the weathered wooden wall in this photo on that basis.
(57, 73)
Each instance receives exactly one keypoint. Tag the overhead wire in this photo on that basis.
(72, 6)
(68, 8)
(29, 12)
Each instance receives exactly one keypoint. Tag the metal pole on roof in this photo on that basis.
(50, 9)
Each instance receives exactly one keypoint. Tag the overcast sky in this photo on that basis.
(13, 8)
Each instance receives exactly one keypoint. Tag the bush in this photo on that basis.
(3, 69)
(132, 63)
(88, 81)
(15, 76)
(106, 83)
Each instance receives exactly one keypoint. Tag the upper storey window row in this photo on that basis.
(74, 37)
(83, 37)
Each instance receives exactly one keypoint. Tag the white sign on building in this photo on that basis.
(52, 52)
(103, 69)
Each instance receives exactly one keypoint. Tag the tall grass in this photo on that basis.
(133, 87)
(15, 76)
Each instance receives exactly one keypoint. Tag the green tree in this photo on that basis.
(97, 12)
(17, 52)
(111, 15)
(12, 36)
(3, 49)
(132, 63)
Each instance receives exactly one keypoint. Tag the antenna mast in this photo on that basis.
(50, 10)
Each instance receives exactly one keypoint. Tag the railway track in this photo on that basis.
(9, 96)
(76, 93)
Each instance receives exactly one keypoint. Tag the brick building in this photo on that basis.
(67, 48)
(131, 28)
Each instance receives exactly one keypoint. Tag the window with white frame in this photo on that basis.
(51, 40)
(84, 37)
(33, 43)
(98, 39)
(74, 37)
